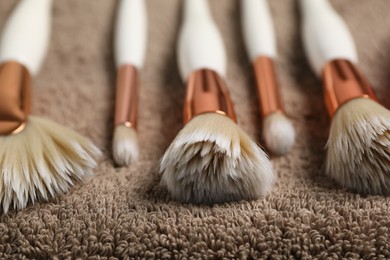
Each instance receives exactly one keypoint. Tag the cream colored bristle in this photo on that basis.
(213, 161)
(279, 133)
(358, 155)
(125, 145)
(43, 160)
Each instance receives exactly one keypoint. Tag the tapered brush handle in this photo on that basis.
(258, 30)
(200, 43)
(325, 35)
(26, 34)
(131, 33)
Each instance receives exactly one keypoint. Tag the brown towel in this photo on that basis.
(120, 212)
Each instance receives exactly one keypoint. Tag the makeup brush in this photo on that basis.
(38, 158)
(259, 36)
(358, 148)
(130, 44)
(211, 160)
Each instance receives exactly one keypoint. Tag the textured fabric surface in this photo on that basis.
(121, 212)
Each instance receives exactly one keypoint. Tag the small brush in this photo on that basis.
(358, 148)
(211, 160)
(130, 44)
(38, 158)
(259, 36)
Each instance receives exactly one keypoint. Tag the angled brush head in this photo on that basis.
(279, 133)
(358, 155)
(213, 161)
(43, 160)
(125, 145)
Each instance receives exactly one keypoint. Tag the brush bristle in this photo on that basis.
(213, 161)
(358, 155)
(125, 145)
(279, 133)
(43, 160)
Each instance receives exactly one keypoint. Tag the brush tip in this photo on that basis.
(125, 145)
(212, 160)
(279, 133)
(43, 160)
(358, 155)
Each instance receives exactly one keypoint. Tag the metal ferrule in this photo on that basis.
(267, 86)
(15, 97)
(126, 102)
(343, 82)
(206, 92)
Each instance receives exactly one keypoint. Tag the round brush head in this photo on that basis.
(43, 160)
(278, 133)
(212, 161)
(358, 155)
(125, 145)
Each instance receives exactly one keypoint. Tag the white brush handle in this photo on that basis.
(25, 37)
(258, 29)
(131, 33)
(325, 35)
(200, 43)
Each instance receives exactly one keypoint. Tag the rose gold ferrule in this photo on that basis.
(267, 86)
(206, 92)
(126, 101)
(342, 82)
(15, 97)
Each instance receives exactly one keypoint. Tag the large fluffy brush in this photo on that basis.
(211, 160)
(43, 160)
(358, 149)
(38, 158)
(278, 132)
(358, 154)
(130, 43)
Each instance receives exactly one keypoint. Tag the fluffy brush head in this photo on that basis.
(358, 155)
(279, 133)
(125, 145)
(212, 161)
(41, 161)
